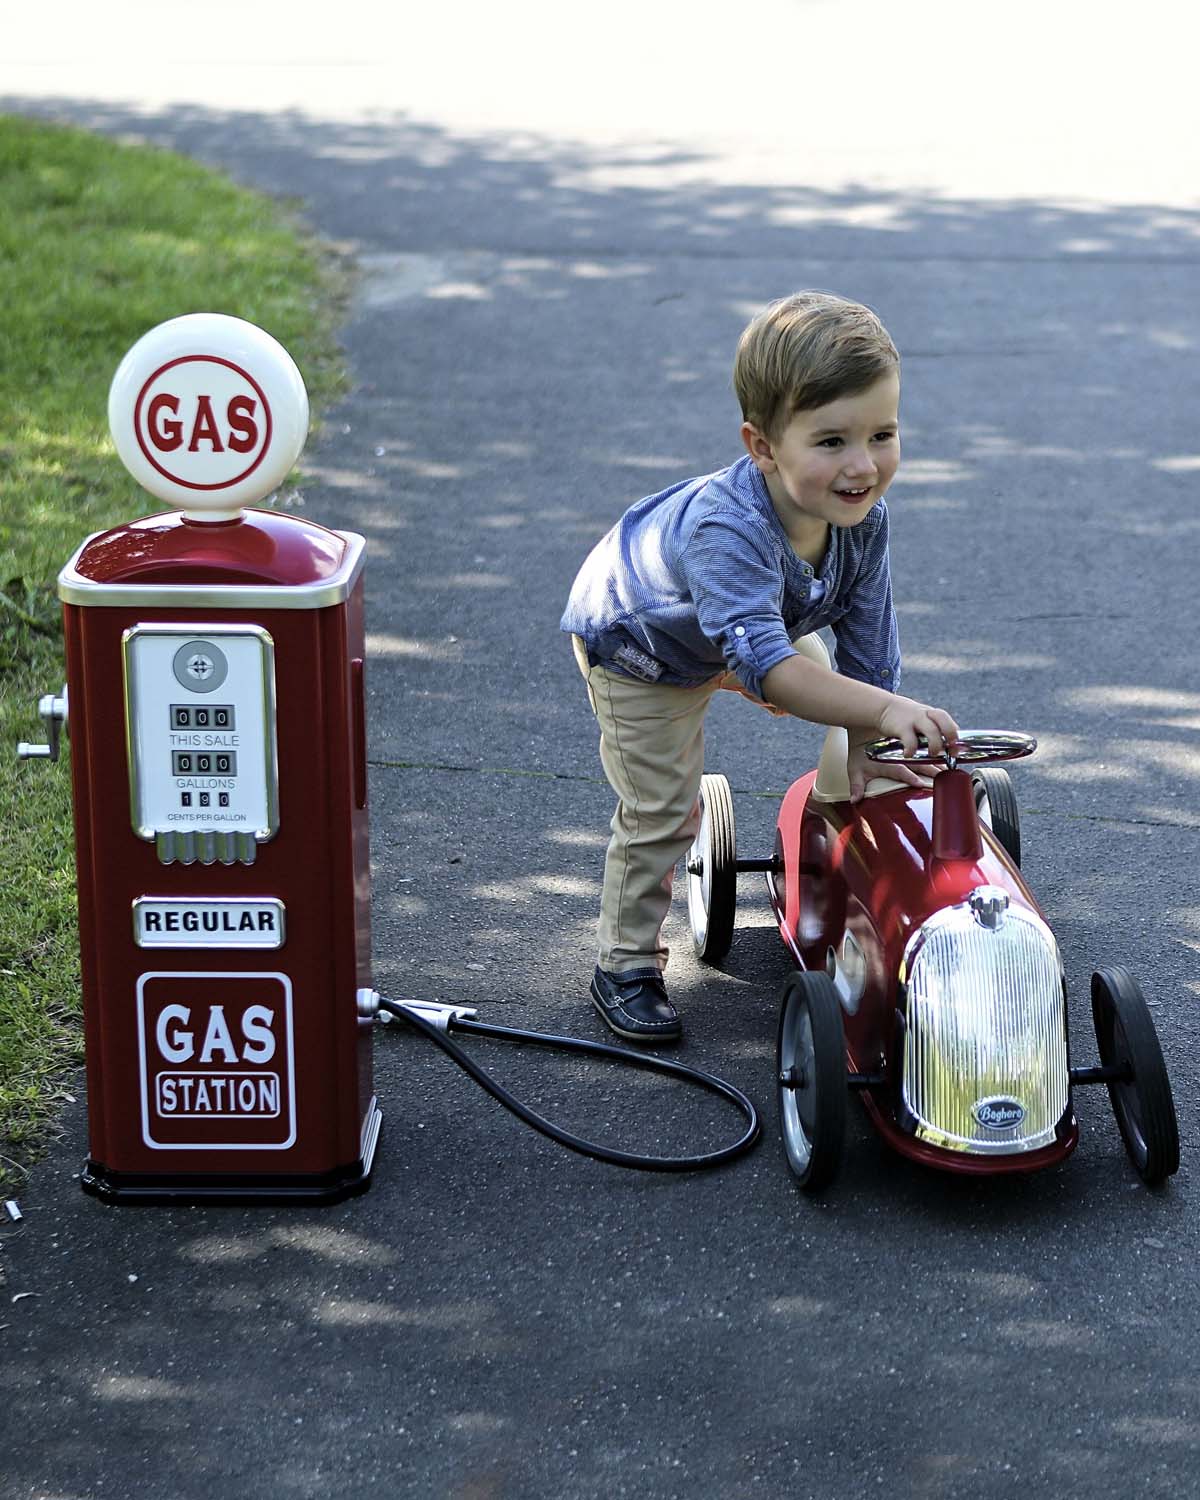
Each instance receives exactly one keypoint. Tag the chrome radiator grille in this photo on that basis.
(985, 1055)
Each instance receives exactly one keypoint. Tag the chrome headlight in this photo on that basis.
(985, 1049)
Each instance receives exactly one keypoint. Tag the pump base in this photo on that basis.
(232, 1187)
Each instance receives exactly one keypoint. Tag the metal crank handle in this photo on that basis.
(53, 711)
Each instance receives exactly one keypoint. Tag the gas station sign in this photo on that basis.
(217, 1061)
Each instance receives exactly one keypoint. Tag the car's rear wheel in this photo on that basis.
(996, 803)
(712, 872)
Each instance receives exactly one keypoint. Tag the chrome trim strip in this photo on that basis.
(229, 848)
(75, 588)
(369, 1135)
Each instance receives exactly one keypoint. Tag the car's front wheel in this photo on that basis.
(810, 1060)
(1141, 1093)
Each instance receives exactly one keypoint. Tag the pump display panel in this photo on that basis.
(200, 720)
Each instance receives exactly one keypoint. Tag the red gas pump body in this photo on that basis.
(228, 1043)
(217, 717)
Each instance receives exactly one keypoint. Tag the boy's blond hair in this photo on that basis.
(805, 351)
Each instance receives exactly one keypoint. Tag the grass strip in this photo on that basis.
(98, 243)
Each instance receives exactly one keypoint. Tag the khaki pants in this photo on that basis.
(652, 751)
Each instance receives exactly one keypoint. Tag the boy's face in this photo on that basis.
(829, 466)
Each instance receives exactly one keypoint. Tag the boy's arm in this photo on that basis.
(813, 692)
(736, 585)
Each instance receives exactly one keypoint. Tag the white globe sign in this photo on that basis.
(208, 413)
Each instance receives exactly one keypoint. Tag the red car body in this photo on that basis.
(862, 879)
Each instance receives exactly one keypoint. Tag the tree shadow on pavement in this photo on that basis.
(542, 333)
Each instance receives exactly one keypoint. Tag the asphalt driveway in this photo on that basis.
(542, 332)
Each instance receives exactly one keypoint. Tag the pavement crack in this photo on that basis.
(448, 766)
(775, 793)
(1126, 822)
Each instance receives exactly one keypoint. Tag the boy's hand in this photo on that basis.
(902, 719)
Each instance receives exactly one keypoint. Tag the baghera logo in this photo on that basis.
(1000, 1113)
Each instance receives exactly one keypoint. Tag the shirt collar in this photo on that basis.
(827, 567)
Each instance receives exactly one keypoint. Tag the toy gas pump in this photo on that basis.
(217, 717)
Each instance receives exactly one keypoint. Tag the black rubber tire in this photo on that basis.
(812, 1117)
(993, 785)
(712, 888)
(1143, 1104)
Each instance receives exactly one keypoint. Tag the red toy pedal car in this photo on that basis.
(928, 979)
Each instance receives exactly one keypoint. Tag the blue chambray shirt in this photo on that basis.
(701, 578)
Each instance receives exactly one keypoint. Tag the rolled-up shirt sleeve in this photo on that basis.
(868, 642)
(737, 588)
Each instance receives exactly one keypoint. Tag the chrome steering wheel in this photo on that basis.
(973, 747)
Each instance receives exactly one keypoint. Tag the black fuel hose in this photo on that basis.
(603, 1049)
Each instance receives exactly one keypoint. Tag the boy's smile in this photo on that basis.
(829, 465)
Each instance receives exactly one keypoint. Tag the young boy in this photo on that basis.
(707, 584)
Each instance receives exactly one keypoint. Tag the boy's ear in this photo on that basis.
(759, 447)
